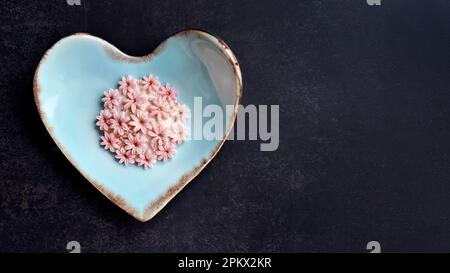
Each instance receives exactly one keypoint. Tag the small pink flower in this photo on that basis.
(181, 112)
(150, 83)
(168, 93)
(160, 109)
(178, 133)
(111, 98)
(135, 143)
(148, 159)
(127, 84)
(103, 120)
(134, 100)
(165, 151)
(119, 122)
(125, 156)
(110, 142)
(158, 135)
(121, 103)
(140, 122)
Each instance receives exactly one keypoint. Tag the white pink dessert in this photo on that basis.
(142, 121)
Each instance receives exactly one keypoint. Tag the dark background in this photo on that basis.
(364, 130)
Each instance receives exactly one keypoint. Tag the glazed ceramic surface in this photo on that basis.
(68, 87)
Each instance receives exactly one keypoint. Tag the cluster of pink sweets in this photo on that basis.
(142, 121)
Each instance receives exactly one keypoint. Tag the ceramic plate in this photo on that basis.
(69, 84)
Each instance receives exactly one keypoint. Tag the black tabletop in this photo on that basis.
(364, 148)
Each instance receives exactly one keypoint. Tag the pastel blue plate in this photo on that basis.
(69, 84)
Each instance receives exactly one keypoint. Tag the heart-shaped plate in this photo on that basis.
(69, 83)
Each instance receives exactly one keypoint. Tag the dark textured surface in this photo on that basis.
(365, 130)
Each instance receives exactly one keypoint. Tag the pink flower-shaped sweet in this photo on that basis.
(168, 93)
(111, 98)
(134, 100)
(150, 83)
(181, 112)
(148, 159)
(158, 135)
(160, 108)
(136, 143)
(103, 120)
(140, 122)
(165, 151)
(178, 133)
(119, 122)
(127, 84)
(125, 156)
(121, 103)
(110, 142)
